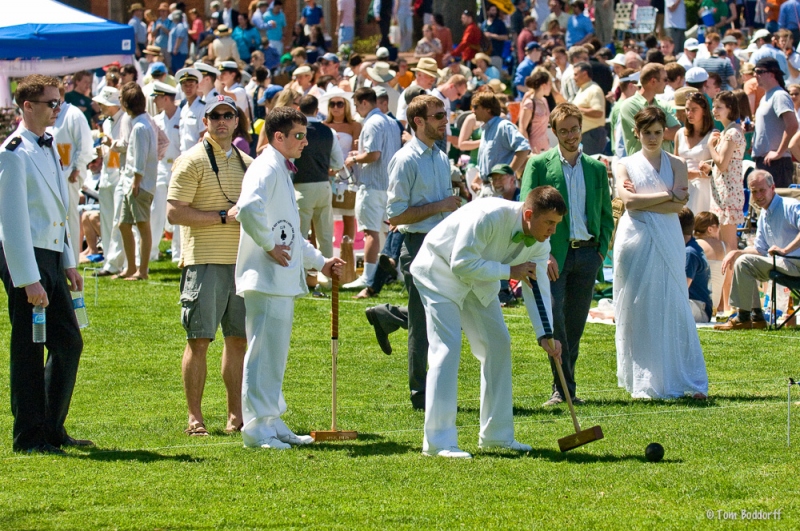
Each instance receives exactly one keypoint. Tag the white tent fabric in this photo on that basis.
(47, 37)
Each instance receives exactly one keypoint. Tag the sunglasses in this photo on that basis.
(336, 104)
(438, 115)
(51, 103)
(299, 136)
(759, 71)
(217, 117)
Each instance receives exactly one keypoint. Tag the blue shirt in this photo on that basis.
(139, 29)
(162, 39)
(246, 40)
(578, 27)
(312, 15)
(179, 32)
(276, 33)
(418, 175)
(378, 133)
(576, 192)
(697, 269)
(778, 225)
(524, 69)
(500, 141)
(499, 28)
(787, 19)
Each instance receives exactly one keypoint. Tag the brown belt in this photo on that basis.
(578, 244)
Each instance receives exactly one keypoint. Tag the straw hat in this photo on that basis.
(497, 86)
(152, 49)
(681, 95)
(427, 65)
(136, 7)
(381, 72)
(222, 31)
(483, 57)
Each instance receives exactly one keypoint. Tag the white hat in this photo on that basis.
(203, 67)
(631, 78)
(188, 74)
(696, 75)
(162, 89)
(301, 70)
(618, 59)
(744, 54)
(108, 96)
(381, 72)
(691, 44)
(382, 53)
(334, 92)
(229, 65)
(760, 34)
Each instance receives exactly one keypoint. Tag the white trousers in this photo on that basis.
(158, 217)
(113, 250)
(176, 244)
(491, 343)
(74, 221)
(268, 324)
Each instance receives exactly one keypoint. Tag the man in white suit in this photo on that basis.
(270, 275)
(458, 273)
(36, 263)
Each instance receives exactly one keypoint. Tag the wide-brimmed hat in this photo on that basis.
(760, 34)
(152, 49)
(108, 96)
(427, 65)
(222, 31)
(618, 59)
(135, 7)
(381, 72)
(335, 92)
(497, 86)
(681, 95)
(482, 57)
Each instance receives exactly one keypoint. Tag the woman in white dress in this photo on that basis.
(658, 350)
(691, 144)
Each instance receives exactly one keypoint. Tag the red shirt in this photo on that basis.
(470, 43)
(525, 36)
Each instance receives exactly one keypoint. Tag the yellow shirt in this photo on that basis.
(193, 181)
(591, 96)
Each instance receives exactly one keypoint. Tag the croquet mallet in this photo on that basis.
(581, 437)
(334, 434)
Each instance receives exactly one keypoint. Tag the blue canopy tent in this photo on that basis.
(47, 37)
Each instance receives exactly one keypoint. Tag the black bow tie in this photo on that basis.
(45, 140)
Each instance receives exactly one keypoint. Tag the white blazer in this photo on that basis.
(33, 206)
(269, 216)
(471, 250)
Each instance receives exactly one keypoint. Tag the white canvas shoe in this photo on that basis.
(454, 452)
(273, 443)
(514, 445)
(359, 283)
(285, 435)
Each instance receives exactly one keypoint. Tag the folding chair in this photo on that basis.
(622, 19)
(645, 20)
(793, 283)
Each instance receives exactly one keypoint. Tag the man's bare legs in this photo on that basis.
(145, 243)
(194, 369)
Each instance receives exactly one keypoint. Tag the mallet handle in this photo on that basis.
(334, 344)
(566, 389)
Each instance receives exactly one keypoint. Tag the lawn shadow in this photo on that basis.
(378, 445)
(142, 456)
(574, 456)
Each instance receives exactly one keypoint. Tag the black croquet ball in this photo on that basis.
(654, 452)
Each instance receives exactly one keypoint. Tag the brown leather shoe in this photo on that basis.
(736, 324)
(759, 324)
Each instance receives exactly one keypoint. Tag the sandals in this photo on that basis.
(237, 429)
(196, 431)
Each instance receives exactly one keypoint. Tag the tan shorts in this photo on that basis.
(209, 299)
(136, 209)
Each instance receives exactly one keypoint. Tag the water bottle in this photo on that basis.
(39, 324)
(701, 34)
(79, 306)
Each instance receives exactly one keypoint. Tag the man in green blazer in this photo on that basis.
(580, 242)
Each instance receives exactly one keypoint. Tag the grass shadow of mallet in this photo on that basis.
(334, 434)
(580, 437)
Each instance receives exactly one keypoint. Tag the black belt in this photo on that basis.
(579, 244)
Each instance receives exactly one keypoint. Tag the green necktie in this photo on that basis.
(520, 236)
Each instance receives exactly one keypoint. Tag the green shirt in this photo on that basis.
(84, 104)
(721, 9)
(629, 108)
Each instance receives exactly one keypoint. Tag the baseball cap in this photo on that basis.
(382, 53)
(696, 75)
(532, 45)
(215, 102)
(770, 64)
(501, 169)
(269, 93)
(301, 70)
(760, 34)
(380, 92)
(332, 57)
(691, 44)
(158, 68)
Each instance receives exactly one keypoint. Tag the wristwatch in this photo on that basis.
(223, 214)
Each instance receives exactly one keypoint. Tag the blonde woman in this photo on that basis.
(286, 98)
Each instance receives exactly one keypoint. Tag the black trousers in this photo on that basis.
(41, 390)
(417, 329)
(782, 170)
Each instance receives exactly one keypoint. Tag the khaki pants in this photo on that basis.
(314, 204)
(749, 270)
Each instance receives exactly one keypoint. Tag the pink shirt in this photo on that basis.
(537, 128)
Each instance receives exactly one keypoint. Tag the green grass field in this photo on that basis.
(724, 456)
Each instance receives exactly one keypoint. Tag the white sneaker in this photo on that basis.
(273, 443)
(453, 452)
(284, 434)
(514, 445)
(359, 283)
